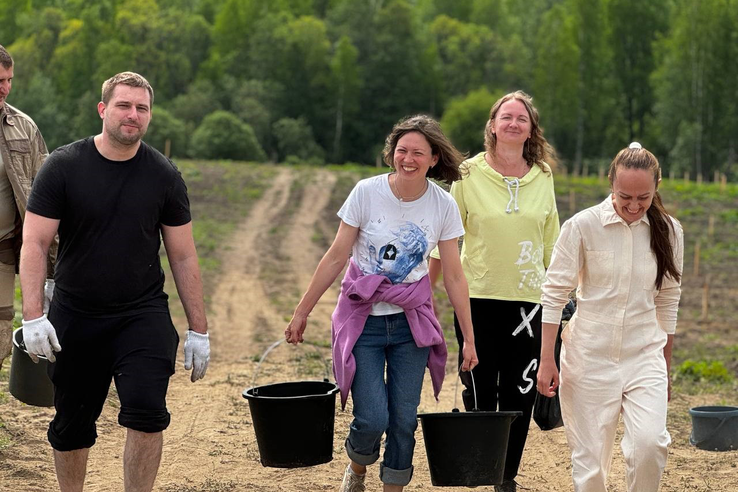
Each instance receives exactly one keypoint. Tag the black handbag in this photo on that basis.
(547, 411)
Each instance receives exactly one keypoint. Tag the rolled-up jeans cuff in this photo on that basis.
(395, 477)
(361, 459)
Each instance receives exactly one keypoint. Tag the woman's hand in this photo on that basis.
(294, 331)
(469, 352)
(548, 377)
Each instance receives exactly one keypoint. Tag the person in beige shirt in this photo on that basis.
(22, 151)
(624, 257)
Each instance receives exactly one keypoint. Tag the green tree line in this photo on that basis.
(324, 80)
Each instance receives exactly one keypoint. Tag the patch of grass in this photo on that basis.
(277, 266)
(221, 195)
(312, 363)
(704, 377)
(5, 441)
(729, 215)
(704, 371)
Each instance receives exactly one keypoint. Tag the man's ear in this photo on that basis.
(101, 109)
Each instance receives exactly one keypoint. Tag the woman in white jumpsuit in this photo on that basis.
(624, 257)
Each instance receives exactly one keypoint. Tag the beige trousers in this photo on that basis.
(7, 295)
(606, 371)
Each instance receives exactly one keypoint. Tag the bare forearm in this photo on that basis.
(434, 271)
(548, 340)
(328, 269)
(187, 278)
(458, 294)
(32, 276)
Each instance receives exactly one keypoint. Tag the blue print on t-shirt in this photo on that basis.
(397, 258)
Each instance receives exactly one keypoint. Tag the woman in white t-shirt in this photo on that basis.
(384, 320)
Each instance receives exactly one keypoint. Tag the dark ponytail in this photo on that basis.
(662, 227)
(662, 231)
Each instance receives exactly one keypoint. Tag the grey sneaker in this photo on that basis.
(352, 482)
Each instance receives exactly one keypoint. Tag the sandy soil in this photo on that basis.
(211, 447)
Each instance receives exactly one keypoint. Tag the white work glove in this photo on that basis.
(48, 294)
(39, 337)
(197, 354)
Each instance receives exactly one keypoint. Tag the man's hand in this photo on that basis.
(39, 337)
(48, 294)
(197, 354)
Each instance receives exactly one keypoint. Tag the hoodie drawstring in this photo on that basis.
(516, 182)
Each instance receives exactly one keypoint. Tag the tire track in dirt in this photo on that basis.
(199, 444)
(217, 450)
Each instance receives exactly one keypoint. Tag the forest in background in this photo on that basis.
(324, 80)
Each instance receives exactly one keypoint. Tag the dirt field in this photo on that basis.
(211, 447)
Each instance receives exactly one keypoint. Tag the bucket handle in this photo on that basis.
(275, 345)
(474, 390)
(22, 345)
(712, 434)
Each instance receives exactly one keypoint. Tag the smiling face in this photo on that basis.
(413, 156)
(632, 193)
(512, 123)
(127, 114)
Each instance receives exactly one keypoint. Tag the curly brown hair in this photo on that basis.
(536, 149)
(449, 157)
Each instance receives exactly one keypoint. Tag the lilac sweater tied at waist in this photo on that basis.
(358, 293)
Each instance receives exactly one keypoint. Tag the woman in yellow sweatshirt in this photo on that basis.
(511, 223)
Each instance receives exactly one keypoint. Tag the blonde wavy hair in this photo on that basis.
(536, 149)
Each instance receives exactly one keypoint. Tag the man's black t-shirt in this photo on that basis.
(110, 215)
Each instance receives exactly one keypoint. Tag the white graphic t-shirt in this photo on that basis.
(396, 237)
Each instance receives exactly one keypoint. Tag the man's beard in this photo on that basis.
(126, 139)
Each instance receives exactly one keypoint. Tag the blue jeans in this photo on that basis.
(390, 406)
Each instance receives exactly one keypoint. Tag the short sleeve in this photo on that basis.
(47, 193)
(176, 210)
(457, 192)
(452, 226)
(351, 210)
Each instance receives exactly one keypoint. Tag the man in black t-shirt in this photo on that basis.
(112, 199)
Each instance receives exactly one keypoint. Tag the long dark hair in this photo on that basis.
(449, 158)
(662, 227)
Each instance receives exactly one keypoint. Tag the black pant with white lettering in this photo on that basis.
(508, 341)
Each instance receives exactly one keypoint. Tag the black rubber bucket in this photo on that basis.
(466, 449)
(714, 428)
(274, 409)
(29, 382)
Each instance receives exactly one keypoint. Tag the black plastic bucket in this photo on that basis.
(29, 382)
(714, 428)
(276, 408)
(466, 449)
